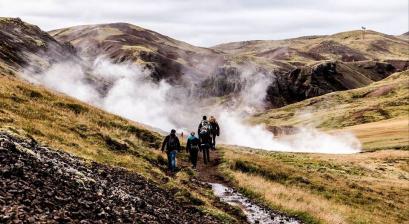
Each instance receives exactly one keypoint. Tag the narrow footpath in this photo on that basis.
(208, 173)
(226, 193)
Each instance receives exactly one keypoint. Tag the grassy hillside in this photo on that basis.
(369, 187)
(380, 101)
(66, 124)
(359, 188)
(345, 46)
(122, 42)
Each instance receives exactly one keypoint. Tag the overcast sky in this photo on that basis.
(210, 22)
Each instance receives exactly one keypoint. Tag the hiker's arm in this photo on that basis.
(188, 145)
(164, 143)
(178, 145)
(198, 129)
(217, 129)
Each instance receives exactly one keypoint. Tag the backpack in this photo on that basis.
(172, 143)
(206, 128)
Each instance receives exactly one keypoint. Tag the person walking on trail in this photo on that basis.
(205, 145)
(172, 146)
(204, 131)
(215, 130)
(192, 147)
(204, 128)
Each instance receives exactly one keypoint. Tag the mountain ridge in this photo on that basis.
(290, 70)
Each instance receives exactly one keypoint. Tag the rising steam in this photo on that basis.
(132, 94)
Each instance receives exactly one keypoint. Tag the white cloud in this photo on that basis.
(212, 22)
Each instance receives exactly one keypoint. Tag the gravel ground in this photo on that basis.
(39, 185)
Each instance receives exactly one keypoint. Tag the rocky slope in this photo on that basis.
(39, 184)
(320, 78)
(23, 44)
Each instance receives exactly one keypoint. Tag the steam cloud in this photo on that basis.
(132, 94)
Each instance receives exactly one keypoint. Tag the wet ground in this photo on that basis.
(254, 213)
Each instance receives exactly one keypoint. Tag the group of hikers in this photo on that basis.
(205, 141)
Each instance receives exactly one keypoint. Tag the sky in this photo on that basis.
(210, 22)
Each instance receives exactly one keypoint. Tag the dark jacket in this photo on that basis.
(165, 144)
(192, 140)
(215, 128)
(206, 139)
(200, 127)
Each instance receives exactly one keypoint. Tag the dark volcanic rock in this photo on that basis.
(225, 81)
(40, 185)
(303, 83)
(400, 65)
(324, 77)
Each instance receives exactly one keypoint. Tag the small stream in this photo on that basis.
(254, 213)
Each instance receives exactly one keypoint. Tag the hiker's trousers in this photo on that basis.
(193, 156)
(206, 157)
(172, 160)
(214, 141)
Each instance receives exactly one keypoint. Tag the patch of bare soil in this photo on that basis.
(332, 47)
(381, 91)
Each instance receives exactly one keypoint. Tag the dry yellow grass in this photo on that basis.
(368, 187)
(69, 125)
(391, 133)
(292, 198)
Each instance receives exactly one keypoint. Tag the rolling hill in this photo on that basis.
(314, 66)
(346, 46)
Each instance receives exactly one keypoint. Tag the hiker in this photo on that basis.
(215, 130)
(204, 131)
(172, 145)
(192, 147)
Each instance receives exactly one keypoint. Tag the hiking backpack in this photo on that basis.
(206, 128)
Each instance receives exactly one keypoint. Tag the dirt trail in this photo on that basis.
(206, 172)
(209, 173)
